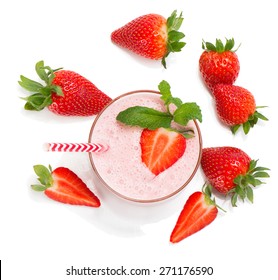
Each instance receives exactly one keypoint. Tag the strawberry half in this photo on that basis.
(151, 36)
(161, 148)
(198, 212)
(65, 93)
(65, 186)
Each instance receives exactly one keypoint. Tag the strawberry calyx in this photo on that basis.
(219, 47)
(152, 119)
(252, 120)
(173, 24)
(243, 183)
(41, 94)
(207, 191)
(44, 177)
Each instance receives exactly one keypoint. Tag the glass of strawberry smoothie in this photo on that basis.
(121, 168)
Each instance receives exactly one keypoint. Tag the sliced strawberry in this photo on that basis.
(198, 212)
(65, 186)
(161, 148)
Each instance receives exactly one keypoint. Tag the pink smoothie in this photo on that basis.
(121, 168)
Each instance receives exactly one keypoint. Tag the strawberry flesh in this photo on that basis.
(65, 186)
(161, 148)
(198, 212)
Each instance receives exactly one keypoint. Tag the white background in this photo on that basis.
(40, 238)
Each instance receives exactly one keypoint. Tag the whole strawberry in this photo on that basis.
(231, 171)
(236, 107)
(65, 93)
(219, 63)
(151, 36)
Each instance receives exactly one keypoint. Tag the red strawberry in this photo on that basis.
(65, 186)
(66, 93)
(151, 36)
(231, 171)
(219, 64)
(198, 212)
(161, 148)
(236, 106)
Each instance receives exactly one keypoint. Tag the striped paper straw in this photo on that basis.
(76, 147)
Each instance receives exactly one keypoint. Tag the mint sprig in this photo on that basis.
(152, 119)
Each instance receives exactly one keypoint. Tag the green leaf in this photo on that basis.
(261, 116)
(44, 175)
(57, 89)
(145, 117)
(249, 193)
(37, 101)
(261, 174)
(174, 23)
(219, 46)
(38, 188)
(234, 199)
(246, 127)
(252, 164)
(166, 95)
(250, 180)
(235, 128)
(229, 44)
(165, 91)
(28, 106)
(40, 69)
(175, 35)
(210, 46)
(187, 112)
(176, 46)
(259, 168)
(150, 118)
(41, 96)
(29, 85)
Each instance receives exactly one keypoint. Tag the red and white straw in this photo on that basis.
(76, 147)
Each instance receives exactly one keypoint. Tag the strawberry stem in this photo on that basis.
(243, 183)
(174, 23)
(41, 94)
(219, 46)
(250, 123)
(44, 177)
(207, 191)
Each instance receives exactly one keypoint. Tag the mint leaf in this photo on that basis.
(187, 112)
(165, 91)
(152, 119)
(166, 95)
(145, 117)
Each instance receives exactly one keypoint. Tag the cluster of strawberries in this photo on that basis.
(235, 105)
(228, 170)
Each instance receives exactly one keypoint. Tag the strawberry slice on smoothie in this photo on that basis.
(161, 148)
(163, 139)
